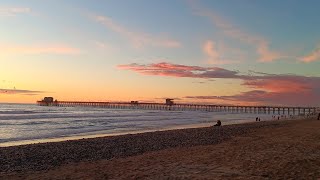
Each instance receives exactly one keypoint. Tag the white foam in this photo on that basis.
(31, 122)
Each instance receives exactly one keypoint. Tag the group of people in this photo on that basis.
(258, 119)
(278, 117)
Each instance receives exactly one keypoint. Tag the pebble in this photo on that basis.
(45, 156)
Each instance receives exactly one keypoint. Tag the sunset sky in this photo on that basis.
(219, 52)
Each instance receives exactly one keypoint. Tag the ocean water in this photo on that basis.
(29, 123)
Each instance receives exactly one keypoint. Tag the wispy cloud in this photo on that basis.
(276, 88)
(266, 55)
(215, 54)
(13, 11)
(230, 30)
(209, 48)
(38, 49)
(138, 39)
(20, 91)
(313, 56)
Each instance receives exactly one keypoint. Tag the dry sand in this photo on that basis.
(262, 150)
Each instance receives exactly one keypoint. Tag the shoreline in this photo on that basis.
(98, 134)
(258, 150)
(43, 156)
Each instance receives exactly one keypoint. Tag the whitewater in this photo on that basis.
(29, 123)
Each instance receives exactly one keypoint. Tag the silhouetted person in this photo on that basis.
(256, 118)
(278, 117)
(319, 116)
(218, 123)
(259, 119)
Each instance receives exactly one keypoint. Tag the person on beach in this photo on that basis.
(218, 123)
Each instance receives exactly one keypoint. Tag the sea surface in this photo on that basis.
(29, 123)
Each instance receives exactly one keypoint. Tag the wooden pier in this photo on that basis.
(276, 110)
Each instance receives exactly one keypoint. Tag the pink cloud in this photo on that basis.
(251, 97)
(216, 54)
(13, 11)
(177, 70)
(259, 97)
(210, 49)
(138, 39)
(44, 49)
(275, 90)
(313, 56)
(280, 85)
(266, 55)
(284, 89)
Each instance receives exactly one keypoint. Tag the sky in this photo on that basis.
(196, 51)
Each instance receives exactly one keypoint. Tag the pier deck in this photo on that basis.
(277, 110)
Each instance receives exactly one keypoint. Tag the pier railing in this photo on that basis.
(186, 107)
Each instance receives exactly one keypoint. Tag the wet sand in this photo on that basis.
(260, 150)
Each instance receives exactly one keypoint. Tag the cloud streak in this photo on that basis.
(13, 11)
(177, 70)
(260, 97)
(137, 39)
(284, 89)
(20, 91)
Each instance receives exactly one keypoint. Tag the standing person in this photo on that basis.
(319, 116)
(256, 118)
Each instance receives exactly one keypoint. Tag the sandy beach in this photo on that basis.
(262, 150)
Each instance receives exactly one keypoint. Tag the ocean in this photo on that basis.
(29, 123)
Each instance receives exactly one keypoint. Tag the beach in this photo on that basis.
(260, 150)
(176, 89)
